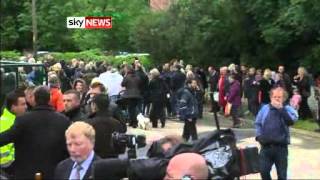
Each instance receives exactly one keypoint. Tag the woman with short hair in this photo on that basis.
(158, 90)
(302, 81)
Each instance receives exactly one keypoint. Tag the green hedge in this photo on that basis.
(10, 55)
(144, 59)
(97, 55)
(89, 55)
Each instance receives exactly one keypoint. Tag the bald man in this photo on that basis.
(187, 165)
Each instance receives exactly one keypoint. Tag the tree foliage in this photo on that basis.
(216, 32)
(263, 33)
(53, 35)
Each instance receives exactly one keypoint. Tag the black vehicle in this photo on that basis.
(16, 75)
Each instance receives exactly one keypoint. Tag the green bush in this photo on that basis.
(129, 59)
(97, 55)
(10, 55)
(89, 55)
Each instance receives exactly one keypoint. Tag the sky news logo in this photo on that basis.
(89, 22)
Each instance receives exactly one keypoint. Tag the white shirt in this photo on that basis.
(104, 78)
(112, 81)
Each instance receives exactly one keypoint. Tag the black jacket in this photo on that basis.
(144, 81)
(177, 80)
(75, 114)
(251, 87)
(188, 104)
(213, 81)
(159, 90)
(64, 169)
(166, 76)
(265, 87)
(203, 78)
(39, 142)
(104, 125)
(116, 113)
(132, 84)
(287, 83)
(304, 86)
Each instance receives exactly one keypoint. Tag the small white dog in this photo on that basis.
(143, 122)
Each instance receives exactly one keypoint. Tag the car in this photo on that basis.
(16, 75)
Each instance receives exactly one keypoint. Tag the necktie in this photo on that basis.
(78, 169)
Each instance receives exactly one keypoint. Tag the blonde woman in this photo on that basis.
(266, 84)
(190, 75)
(303, 84)
(189, 68)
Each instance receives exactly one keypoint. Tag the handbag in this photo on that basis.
(227, 109)
(248, 160)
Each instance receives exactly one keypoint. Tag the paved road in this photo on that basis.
(304, 151)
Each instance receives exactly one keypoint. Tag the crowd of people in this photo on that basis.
(97, 99)
(162, 86)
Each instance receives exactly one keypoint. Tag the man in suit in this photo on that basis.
(38, 137)
(80, 138)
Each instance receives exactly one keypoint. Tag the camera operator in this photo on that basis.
(152, 168)
(159, 147)
(104, 125)
(213, 156)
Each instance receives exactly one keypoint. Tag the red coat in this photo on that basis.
(56, 99)
(222, 93)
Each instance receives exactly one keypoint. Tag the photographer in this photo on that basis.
(104, 126)
(152, 168)
(169, 157)
(175, 159)
(160, 147)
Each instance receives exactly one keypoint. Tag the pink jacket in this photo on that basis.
(295, 101)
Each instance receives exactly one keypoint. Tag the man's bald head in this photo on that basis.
(190, 164)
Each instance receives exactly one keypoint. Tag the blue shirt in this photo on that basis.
(85, 166)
